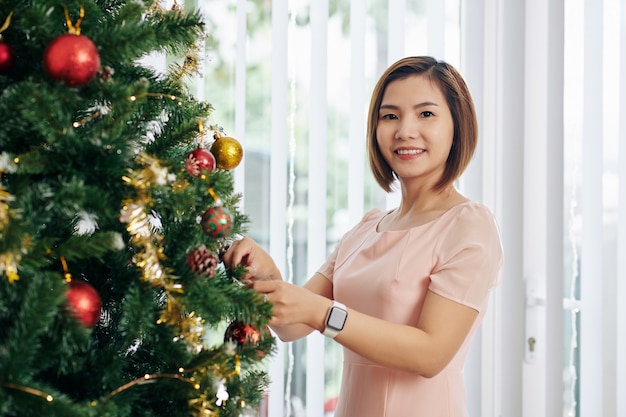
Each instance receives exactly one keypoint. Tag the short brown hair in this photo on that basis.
(461, 105)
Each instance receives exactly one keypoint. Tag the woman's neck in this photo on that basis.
(417, 208)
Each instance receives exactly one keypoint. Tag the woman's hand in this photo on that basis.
(248, 253)
(293, 304)
(296, 310)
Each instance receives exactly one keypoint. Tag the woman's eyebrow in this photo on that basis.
(416, 106)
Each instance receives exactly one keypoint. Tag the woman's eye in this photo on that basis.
(389, 116)
(427, 114)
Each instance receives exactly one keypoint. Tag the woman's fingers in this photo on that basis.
(266, 287)
(236, 254)
(247, 253)
(289, 302)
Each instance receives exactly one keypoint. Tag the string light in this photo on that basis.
(147, 378)
(151, 252)
(29, 390)
(95, 115)
(158, 95)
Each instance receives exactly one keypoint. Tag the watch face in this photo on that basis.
(337, 318)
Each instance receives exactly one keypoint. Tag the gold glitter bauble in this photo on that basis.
(227, 152)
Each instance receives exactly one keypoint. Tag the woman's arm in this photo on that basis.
(425, 349)
(309, 301)
(305, 306)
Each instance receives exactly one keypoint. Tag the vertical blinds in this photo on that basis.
(547, 80)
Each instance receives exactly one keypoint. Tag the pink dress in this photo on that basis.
(387, 275)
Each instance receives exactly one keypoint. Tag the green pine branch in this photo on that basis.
(68, 159)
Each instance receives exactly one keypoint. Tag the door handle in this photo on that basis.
(535, 303)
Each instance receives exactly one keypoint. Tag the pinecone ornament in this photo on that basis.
(203, 262)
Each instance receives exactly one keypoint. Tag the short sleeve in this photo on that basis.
(469, 257)
(328, 266)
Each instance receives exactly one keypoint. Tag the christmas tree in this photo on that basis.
(116, 201)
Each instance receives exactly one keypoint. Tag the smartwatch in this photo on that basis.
(335, 319)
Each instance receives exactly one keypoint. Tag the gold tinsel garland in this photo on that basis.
(149, 258)
(5, 198)
(9, 261)
(149, 249)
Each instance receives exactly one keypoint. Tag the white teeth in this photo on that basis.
(409, 151)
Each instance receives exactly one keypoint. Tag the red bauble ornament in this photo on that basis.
(73, 59)
(7, 57)
(202, 261)
(85, 302)
(217, 222)
(242, 333)
(198, 161)
(245, 335)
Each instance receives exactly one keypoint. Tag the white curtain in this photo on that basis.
(546, 76)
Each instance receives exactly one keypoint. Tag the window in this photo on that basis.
(591, 210)
(291, 81)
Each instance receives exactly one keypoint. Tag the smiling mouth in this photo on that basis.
(409, 151)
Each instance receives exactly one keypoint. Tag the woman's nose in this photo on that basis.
(407, 129)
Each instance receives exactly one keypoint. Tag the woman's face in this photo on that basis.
(415, 129)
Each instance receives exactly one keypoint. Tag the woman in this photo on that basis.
(405, 289)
